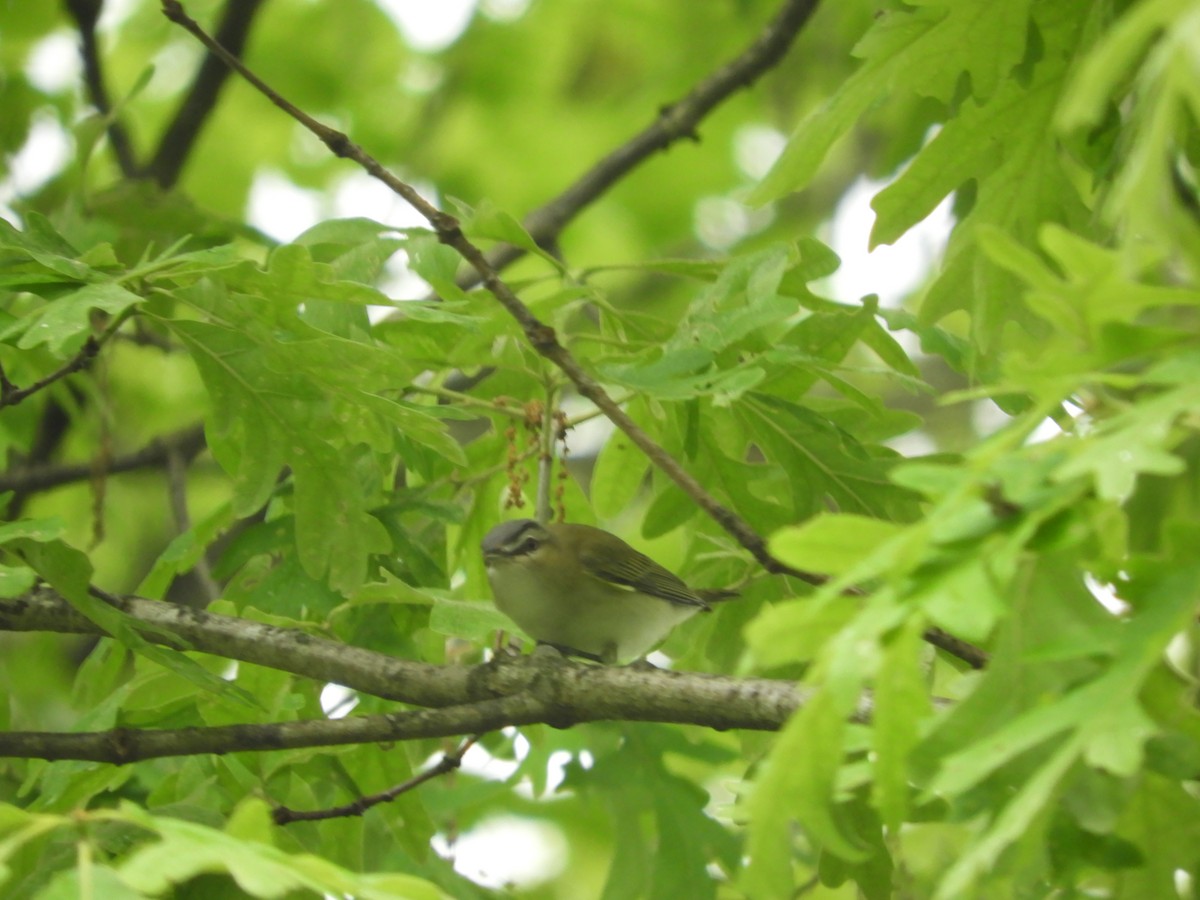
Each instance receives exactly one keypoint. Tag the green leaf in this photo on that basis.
(47, 529)
(489, 221)
(335, 531)
(472, 621)
(796, 630)
(1132, 443)
(1166, 851)
(187, 849)
(63, 324)
(16, 580)
(184, 551)
(618, 476)
(832, 544)
(901, 704)
(41, 243)
(438, 264)
(293, 278)
(351, 231)
(1106, 64)
(248, 432)
(794, 784)
(69, 572)
(926, 48)
(416, 424)
(1013, 821)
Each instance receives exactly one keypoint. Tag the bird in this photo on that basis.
(585, 591)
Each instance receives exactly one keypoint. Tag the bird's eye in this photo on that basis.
(528, 545)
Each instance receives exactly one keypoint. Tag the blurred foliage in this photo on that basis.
(348, 475)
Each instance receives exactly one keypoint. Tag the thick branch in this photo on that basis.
(553, 690)
(187, 443)
(286, 649)
(181, 135)
(124, 745)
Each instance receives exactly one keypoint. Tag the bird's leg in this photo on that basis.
(567, 651)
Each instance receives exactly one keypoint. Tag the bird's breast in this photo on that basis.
(583, 613)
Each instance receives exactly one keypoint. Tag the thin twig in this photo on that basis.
(177, 492)
(595, 413)
(973, 656)
(676, 121)
(513, 412)
(6, 386)
(188, 443)
(545, 436)
(10, 394)
(102, 455)
(85, 13)
(180, 136)
(449, 762)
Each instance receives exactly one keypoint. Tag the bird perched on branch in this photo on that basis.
(584, 591)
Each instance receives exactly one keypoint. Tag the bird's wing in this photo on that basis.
(639, 572)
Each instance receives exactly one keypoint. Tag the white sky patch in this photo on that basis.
(358, 194)
(891, 271)
(507, 850)
(429, 27)
(912, 444)
(988, 418)
(44, 153)
(114, 13)
(1047, 431)
(586, 438)
(556, 769)
(337, 701)
(280, 208)
(479, 762)
(1106, 595)
(53, 64)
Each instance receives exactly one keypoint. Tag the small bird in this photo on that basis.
(584, 591)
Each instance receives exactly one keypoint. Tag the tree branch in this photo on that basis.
(449, 762)
(542, 688)
(10, 394)
(121, 746)
(674, 122)
(181, 135)
(541, 337)
(85, 13)
(187, 443)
